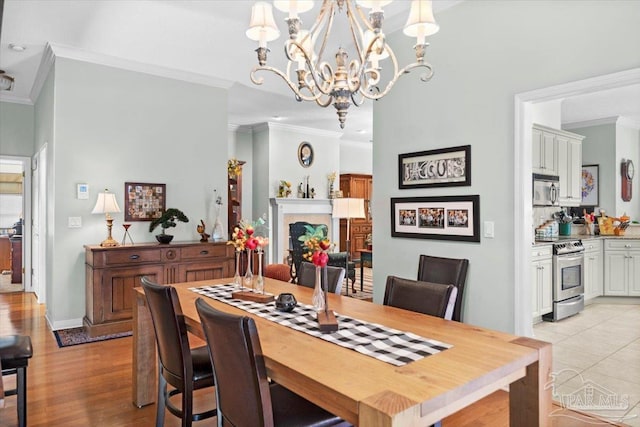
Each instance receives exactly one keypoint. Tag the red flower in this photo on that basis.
(325, 244)
(251, 243)
(320, 259)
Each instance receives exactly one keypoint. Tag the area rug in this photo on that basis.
(76, 336)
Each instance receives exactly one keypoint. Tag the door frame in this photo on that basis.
(523, 210)
(26, 214)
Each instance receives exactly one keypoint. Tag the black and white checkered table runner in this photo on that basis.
(374, 340)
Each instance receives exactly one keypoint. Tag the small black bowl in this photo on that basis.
(286, 302)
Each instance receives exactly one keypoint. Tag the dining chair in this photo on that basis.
(445, 270)
(244, 395)
(277, 271)
(15, 352)
(435, 299)
(181, 367)
(307, 277)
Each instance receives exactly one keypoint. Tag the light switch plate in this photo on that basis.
(489, 231)
(75, 222)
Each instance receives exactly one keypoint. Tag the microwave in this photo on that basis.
(546, 190)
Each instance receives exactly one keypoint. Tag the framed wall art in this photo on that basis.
(590, 185)
(444, 167)
(305, 154)
(144, 202)
(441, 218)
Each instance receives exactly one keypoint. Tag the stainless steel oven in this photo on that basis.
(568, 279)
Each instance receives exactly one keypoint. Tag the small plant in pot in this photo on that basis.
(167, 220)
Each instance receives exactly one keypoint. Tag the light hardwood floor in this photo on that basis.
(90, 384)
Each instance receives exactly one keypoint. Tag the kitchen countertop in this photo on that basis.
(583, 237)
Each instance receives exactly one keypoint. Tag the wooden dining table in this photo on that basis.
(361, 389)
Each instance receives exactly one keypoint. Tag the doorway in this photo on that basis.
(15, 207)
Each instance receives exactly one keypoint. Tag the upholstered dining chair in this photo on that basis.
(435, 299)
(278, 272)
(445, 270)
(15, 352)
(307, 277)
(244, 395)
(181, 367)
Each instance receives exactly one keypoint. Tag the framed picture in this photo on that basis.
(441, 218)
(590, 185)
(144, 202)
(445, 167)
(305, 154)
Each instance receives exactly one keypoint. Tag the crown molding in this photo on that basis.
(302, 129)
(615, 120)
(592, 122)
(361, 144)
(46, 63)
(54, 50)
(10, 98)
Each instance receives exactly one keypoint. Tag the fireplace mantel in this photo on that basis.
(299, 207)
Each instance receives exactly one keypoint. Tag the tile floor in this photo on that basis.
(596, 356)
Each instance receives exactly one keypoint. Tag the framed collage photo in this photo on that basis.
(441, 218)
(444, 167)
(144, 202)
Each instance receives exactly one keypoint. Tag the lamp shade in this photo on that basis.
(293, 6)
(262, 27)
(106, 203)
(348, 208)
(6, 81)
(421, 22)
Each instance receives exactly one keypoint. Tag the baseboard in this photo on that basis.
(63, 324)
(615, 300)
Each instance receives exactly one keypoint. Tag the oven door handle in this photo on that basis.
(567, 258)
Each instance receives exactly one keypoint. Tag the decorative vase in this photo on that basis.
(259, 278)
(248, 275)
(237, 280)
(318, 293)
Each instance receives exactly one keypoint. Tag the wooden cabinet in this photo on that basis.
(234, 198)
(622, 267)
(5, 253)
(558, 152)
(593, 268)
(111, 274)
(357, 186)
(541, 280)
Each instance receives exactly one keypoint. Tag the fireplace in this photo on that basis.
(287, 211)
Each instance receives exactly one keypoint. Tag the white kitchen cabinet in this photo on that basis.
(545, 158)
(558, 152)
(622, 267)
(569, 169)
(593, 268)
(541, 280)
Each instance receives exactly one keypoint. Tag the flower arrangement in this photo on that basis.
(244, 236)
(284, 189)
(316, 244)
(234, 168)
(332, 177)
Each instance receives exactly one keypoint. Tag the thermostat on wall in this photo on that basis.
(83, 191)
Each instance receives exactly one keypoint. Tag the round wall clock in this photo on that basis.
(305, 154)
(627, 172)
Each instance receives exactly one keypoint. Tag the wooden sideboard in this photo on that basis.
(111, 274)
(361, 187)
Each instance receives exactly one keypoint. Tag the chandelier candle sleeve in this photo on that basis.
(312, 76)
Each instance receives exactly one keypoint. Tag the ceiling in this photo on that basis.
(206, 38)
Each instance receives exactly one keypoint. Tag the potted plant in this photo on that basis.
(167, 220)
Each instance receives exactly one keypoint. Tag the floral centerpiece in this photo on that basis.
(244, 237)
(284, 189)
(331, 178)
(317, 244)
(234, 168)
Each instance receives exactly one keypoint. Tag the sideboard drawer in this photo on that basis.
(131, 256)
(204, 251)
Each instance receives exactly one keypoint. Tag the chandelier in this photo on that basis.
(311, 78)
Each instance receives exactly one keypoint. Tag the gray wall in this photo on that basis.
(114, 126)
(16, 129)
(627, 148)
(485, 53)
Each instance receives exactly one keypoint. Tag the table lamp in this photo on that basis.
(106, 204)
(348, 208)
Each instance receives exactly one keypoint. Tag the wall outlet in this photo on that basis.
(75, 222)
